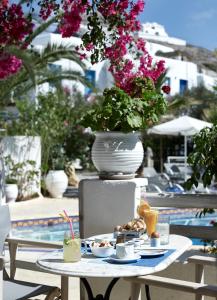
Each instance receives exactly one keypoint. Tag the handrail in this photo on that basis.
(182, 200)
(187, 201)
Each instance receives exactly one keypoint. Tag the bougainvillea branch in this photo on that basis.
(111, 33)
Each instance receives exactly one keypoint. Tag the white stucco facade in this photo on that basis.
(155, 31)
(181, 74)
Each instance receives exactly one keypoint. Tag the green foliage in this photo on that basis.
(198, 102)
(57, 159)
(36, 72)
(56, 120)
(203, 158)
(50, 119)
(121, 112)
(21, 173)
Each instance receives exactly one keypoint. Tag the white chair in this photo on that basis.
(11, 289)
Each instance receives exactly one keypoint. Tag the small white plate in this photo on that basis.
(150, 252)
(114, 258)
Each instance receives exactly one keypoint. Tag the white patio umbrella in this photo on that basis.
(184, 125)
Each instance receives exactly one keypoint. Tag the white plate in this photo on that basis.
(114, 258)
(152, 252)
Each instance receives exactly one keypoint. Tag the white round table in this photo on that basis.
(90, 266)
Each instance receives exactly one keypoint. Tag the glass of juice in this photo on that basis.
(150, 217)
(71, 248)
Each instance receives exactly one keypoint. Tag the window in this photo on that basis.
(90, 75)
(167, 81)
(183, 85)
(54, 69)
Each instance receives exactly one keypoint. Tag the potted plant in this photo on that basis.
(117, 151)
(21, 179)
(136, 100)
(11, 189)
(56, 180)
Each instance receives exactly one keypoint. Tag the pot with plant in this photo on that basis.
(117, 151)
(11, 189)
(134, 103)
(21, 179)
(56, 180)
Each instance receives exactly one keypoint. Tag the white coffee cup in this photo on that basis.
(124, 250)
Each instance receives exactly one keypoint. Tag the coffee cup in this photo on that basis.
(124, 250)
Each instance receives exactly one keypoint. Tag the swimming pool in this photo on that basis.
(53, 229)
(43, 229)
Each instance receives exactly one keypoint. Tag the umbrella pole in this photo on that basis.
(185, 152)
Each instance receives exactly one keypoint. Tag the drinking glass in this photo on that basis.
(163, 227)
(150, 217)
(71, 248)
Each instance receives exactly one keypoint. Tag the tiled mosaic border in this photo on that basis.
(42, 221)
(57, 220)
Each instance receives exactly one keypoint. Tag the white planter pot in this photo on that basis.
(117, 155)
(11, 192)
(56, 183)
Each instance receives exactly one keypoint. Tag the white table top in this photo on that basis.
(91, 266)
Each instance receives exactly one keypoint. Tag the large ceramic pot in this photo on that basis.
(56, 183)
(117, 155)
(11, 192)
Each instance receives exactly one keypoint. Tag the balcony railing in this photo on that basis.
(199, 201)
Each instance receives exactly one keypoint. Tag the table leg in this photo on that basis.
(64, 288)
(135, 291)
(99, 296)
(147, 292)
(109, 288)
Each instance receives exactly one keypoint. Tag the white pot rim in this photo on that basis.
(116, 133)
(52, 171)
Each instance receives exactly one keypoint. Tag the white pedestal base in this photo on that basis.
(103, 204)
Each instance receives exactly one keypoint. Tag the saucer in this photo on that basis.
(126, 260)
(152, 252)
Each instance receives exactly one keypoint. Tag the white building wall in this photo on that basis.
(155, 31)
(154, 47)
(206, 80)
(180, 70)
(177, 68)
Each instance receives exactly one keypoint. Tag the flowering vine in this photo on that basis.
(111, 33)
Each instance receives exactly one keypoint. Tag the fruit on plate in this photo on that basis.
(101, 244)
(133, 225)
(142, 208)
(155, 235)
(102, 249)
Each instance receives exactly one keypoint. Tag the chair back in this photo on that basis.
(5, 225)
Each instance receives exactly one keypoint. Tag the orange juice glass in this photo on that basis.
(150, 217)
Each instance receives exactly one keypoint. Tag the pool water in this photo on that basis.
(55, 231)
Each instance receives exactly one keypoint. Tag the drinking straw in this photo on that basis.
(70, 224)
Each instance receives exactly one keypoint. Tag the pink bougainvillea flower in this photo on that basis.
(9, 65)
(166, 89)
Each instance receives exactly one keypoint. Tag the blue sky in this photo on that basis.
(192, 20)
